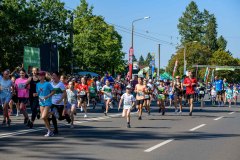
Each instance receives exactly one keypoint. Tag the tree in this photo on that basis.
(191, 24)
(148, 59)
(97, 45)
(141, 61)
(134, 58)
(222, 43)
(210, 31)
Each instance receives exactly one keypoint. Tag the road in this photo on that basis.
(212, 133)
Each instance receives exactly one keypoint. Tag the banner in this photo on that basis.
(212, 77)
(31, 58)
(130, 62)
(206, 74)
(153, 64)
(175, 68)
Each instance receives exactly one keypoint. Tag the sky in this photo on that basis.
(161, 27)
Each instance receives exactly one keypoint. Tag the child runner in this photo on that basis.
(72, 101)
(229, 95)
(213, 95)
(107, 91)
(235, 94)
(93, 94)
(128, 102)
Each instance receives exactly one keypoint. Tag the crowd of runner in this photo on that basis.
(54, 97)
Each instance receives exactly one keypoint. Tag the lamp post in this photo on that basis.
(131, 50)
(184, 57)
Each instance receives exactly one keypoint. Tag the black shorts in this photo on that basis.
(140, 102)
(220, 93)
(15, 98)
(23, 100)
(190, 96)
(83, 99)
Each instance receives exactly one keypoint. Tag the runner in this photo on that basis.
(229, 95)
(72, 101)
(93, 94)
(139, 90)
(213, 95)
(161, 91)
(235, 95)
(6, 87)
(219, 88)
(44, 92)
(128, 102)
(190, 82)
(201, 92)
(178, 93)
(14, 99)
(83, 92)
(224, 94)
(23, 94)
(34, 102)
(107, 91)
(58, 104)
(147, 96)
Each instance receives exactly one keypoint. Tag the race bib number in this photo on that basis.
(21, 86)
(201, 92)
(147, 96)
(161, 96)
(140, 93)
(127, 103)
(82, 93)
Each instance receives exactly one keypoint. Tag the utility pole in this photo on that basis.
(71, 41)
(158, 73)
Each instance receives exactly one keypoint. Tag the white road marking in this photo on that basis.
(158, 145)
(231, 112)
(11, 134)
(216, 119)
(195, 128)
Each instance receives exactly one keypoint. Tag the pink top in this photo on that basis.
(22, 89)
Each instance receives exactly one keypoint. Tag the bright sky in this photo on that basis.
(162, 26)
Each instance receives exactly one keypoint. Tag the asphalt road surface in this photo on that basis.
(212, 133)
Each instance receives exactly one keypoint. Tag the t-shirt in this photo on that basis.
(92, 91)
(82, 89)
(22, 90)
(190, 89)
(6, 87)
(128, 99)
(140, 91)
(107, 90)
(32, 87)
(72, 96)
(58, 88)
(44, 89)
(219, 85)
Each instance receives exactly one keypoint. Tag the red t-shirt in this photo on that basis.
(83, 89)
(190, 89)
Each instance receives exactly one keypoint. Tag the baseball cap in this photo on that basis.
(129, 87)
(42, 73)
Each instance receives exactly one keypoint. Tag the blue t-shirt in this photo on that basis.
(219, 85)
(44, 89)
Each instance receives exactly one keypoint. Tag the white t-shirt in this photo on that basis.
(128, 100)
(58, 88)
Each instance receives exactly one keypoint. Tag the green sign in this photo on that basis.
(31, 58)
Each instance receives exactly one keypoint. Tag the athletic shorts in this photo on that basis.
(83, 99)
(127, 107)
(190, 96)
(171, 96)
(23, 100)
(220, 93)
(140, 102)
(15, 98)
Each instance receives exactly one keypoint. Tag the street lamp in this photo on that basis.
(184, 57)
(131, 51)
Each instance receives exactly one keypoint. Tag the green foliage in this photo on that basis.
(97, 46)
(141, 60)
(222, 43)
(148, 59)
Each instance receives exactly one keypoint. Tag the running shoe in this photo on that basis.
(55, 131)
(139, 118)
(149, 113)
(85, 116)
(190, 113)
(25, 121)
(128, 125)
(49, 134)
(180, 113)
(163, 113)
(30, 125)
(105, 113)
(38, 115)
(176, 111)
(9, 122)
(4, 123)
